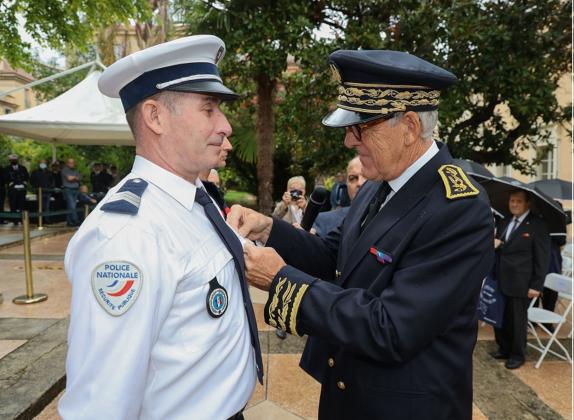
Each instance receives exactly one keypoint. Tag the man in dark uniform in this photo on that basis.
(100, 180)
(523, 257)
(42, 178)
(392, 336)
(17, 178)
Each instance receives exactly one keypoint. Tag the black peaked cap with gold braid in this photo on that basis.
(378, 83)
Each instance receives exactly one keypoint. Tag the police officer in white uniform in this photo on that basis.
(162, 326)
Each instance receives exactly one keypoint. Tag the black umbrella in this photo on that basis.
(498, 191)
(555, 188)
(475, 170)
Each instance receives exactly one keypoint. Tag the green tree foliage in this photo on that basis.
(59, 23)
(260, 35)
(508, 55)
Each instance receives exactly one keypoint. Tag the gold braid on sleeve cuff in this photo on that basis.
(283, 304)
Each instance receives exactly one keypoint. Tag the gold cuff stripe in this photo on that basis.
(456, 183)
(295, 309)
(285, 301)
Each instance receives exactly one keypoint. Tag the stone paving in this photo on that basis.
(33, 337)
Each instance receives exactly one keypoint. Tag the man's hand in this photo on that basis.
(497, 243)
(533, 293)
(286, 198)
(250, 224)
(261, 265)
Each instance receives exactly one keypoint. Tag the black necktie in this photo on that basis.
(511, 227)
(234, 246)
(376, 203)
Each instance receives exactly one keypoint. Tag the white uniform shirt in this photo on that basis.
(166, 357)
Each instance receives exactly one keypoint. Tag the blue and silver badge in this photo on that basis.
(217, 299)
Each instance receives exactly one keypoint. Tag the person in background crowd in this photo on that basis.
(329, 220)
(213, 177)
(100, 180)
(210, 178)
(114, 177)
(17, 179)
(523, 253)
(339, 195)
(56, 174)
(293, 202)
(59, 202)
(42, 178)
(84, 196)
(70, 184)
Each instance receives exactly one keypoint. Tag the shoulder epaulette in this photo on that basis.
(127, 199)
(456, 183)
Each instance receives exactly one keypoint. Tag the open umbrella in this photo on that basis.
(555, 188)
(475, 170)
(498, 191)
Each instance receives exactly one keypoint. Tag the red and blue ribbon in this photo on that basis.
(381, 256)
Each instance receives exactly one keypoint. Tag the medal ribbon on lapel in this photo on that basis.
(381, 256)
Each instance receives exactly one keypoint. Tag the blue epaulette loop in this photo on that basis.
(127, 199)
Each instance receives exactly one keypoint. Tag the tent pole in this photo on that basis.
(53, 152)
(49, 78)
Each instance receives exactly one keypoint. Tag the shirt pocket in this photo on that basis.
(195, 328)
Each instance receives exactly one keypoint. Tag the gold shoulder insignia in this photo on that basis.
(335, 73)
(282, 307)
(456, 183)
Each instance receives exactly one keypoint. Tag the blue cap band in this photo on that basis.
(145, 85)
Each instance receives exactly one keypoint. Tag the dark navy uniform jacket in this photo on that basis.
(391, 337)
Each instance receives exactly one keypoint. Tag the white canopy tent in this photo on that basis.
(81, 115)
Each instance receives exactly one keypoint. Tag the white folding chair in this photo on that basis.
(538, 317)
(567, 269)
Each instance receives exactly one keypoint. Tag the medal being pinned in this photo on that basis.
(217, 299)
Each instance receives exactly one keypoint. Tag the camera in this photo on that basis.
(296, 194)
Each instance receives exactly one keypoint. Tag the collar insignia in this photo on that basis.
(456, 183)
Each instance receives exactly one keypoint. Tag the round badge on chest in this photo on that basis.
(217, 299)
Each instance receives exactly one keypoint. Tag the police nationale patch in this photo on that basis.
(116, 286)
(456, 183)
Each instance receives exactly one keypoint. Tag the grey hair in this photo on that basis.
(296, 179)
(428, 119)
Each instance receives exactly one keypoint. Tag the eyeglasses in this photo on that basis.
(357, 129)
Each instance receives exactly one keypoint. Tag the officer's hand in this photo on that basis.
(533, 293)
(250, 224)
(261, 265)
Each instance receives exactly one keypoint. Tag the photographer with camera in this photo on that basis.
(293, 203)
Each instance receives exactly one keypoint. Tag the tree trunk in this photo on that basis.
(264, 133)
